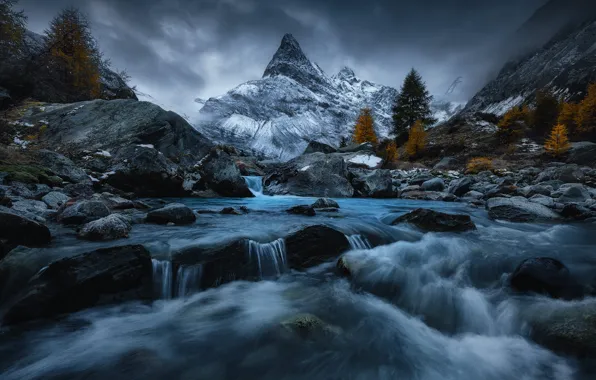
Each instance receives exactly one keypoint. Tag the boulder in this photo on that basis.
(100, 277)
(519, 209)
(435, 184)
(447, 163)
(62, 166)
(570, 173)
(434, 221)
(582, 153)
(20, 230)
(55, 199)
(115, 202)
(145, 172)
(302, 210)
(543, 200)
(420, 179)
(30, 206)
(229, 211)
(316, 175)
(373, 184)
(82, 212)
(79, 190)
(530, 191)
(544, 275)
(364, 147)
(112, 227)
(314, 245)
(573, 193)
(459, 187)
(220, 173)
(325, 203)
(310, 327)
(315, 146)
(473, 195)
(576, 212)
(173, 213)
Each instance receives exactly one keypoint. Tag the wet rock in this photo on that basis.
(519, 209)
(220, 173)
(173, 213)
(229, 211)
(573, 193)
(434, 221)
(302, 210)
(55, 199)
(435, 184)
(30, 206)
(82, 212)
(543, 200)
(314, 245)
(63, 167)
(459, 187)
(112, 227)
(544, 275)
(576, 212)
(310, 327)
(373, 184)
(115, 202)
(72, 284)
(20, 230)
(325, 203)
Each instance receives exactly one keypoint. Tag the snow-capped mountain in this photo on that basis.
(566, 65)
(293, 103)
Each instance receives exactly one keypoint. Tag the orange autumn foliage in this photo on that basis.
(558, 143)
(416, 140)
(364, 130)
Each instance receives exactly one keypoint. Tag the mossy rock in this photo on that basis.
(30, 174)
(308, 326)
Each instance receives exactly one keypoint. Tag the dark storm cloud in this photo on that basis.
(179, 49)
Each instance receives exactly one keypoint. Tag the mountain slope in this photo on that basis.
(295, 102)
(566, 65)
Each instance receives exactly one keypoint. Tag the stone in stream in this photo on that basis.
(82, 212)
(314, 245)
(104, 276)
(310, 327)
(229, 211)
(20, 230)
(434, 221)
(112, 227)
(545, 275)
(302, 210)
(173, 213)
(519, 209)
(325, 203)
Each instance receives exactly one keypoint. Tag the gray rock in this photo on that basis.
(55, 199)
(325, 203)
(420, 179)
(519, 209)
(115, 202)
(315, 146)
(459, 187)
(23, 231)
(530, 191)
(79, 190)
(173, 213)
(429, 220)
(473, 195)
(30, 206)
(582, 153)
(447, 163)
(302, 210)
(314, 245)
(220, 173)
(83, 212)
(62, 166)
(435, 184)
(373, 184)
(573, 193)
(111, 227)
(570, 173)
(543, 200)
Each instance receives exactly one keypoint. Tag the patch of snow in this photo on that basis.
(368, 160)
(103, 153)
(485, 126)
(503, 106)
(529, 146)
(22, 143)
(106, 175)
(74, 110)
(246, 89)
(93, 179)
(146, 146)
(305, 168)
(20, 123)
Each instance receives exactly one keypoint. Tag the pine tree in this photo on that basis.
(558, 143)
(586, 115)
(545, 116)
(416, 140)
(568, 117)
(74, 55)
(12, 28)
(411, 105)
(364, 130)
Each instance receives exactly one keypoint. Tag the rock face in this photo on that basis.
(62, 166)
(294, 104)
(173, 213)
(544, 275)
(373, 184)
(99, 277)
(429, 220)
(314, 245)
(111, 227)
(83, 212)
(316, 175)
(519, 209)
(20, 230)
(220, 173)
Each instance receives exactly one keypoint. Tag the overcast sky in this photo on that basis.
(177, 50)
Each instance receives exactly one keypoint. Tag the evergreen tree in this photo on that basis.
(364, 130)
(558, 143)
(416, 140)
(586, 115)
(12, 28)
(74, 57)
(568, 117)
(411, 105)
(545, 116)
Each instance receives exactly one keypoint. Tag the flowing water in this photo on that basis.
(421, 306)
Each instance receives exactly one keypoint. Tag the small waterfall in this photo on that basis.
(162, 278)
(270, 257)
(358, 242)
(188, 280)
(255, 185)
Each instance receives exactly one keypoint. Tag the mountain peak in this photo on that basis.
(289, 60)
(346, 74)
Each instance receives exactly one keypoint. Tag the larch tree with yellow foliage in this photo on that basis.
(586, 114)
(568, 117)
(512, 124)
(416, 140)
(74, 56)
(391, 152)
(558, 142)
(364, 130)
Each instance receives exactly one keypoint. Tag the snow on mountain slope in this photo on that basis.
(295, 102)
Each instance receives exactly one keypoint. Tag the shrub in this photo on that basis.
(479, 164)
